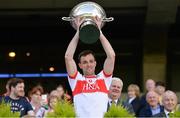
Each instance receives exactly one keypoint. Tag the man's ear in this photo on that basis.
(80, 66)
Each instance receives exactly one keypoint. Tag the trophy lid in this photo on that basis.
(87, 9)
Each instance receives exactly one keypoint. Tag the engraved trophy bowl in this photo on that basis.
(88, 31)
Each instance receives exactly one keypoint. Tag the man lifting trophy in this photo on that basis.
(90, 90)
(89, 31)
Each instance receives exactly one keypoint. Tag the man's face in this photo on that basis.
(19, 90)
(115, 90)
(88, 64)
(169, 102)
(152, 98)
(150, 85)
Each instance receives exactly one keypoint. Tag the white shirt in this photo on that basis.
(131, 99)
(167, 113)
(110, 101)
(90, 94)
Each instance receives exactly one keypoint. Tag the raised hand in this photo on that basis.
(78, 20)
(98, 21)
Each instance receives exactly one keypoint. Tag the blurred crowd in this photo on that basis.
(155, 102)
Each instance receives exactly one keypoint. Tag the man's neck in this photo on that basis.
(92, 75)
(166, 110)
(154, 107)
(14, 96)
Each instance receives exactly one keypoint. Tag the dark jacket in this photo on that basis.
(143, 101)
(136, 105)
(125, 105)
(146, 111)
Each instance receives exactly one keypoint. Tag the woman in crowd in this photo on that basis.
(134, 97)
(43, 111)
(35, 97)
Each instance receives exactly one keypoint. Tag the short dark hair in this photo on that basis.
(14, 82)
(84, 53)
(160, 83)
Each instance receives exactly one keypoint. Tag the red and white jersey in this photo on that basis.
(90, 94)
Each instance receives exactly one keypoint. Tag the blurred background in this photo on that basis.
(145, 35)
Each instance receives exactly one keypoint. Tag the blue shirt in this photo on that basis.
(20, 105)
(155, 110)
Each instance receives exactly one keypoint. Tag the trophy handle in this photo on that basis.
(108, 19)
(67, 18)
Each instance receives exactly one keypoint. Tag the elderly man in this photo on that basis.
(115, 94)
(153, 107)
(150, 86)
(169, 101)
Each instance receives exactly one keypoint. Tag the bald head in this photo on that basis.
(152, 98)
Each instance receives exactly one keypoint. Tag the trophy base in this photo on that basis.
(89, 34)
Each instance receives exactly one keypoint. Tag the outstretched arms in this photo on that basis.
(110, 60)
(71, 66)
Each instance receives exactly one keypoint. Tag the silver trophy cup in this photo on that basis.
(88, 30)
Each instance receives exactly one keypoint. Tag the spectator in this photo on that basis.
(17, 100)
(152, 107)
(115, 95)
(134, 97)
(35, 97)
(160, 89)
(52, 101)
(150, 86)
(7, 87)
(62, 94)
(169, 100)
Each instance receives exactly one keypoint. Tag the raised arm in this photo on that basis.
(110, 60)
(71, 66)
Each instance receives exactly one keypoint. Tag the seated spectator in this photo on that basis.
(62, 94)
(153, 107)
(150, 86)
(52, 101)
(160, 89)
(35, 97)
(115, 94)
(54, 93)
(17, 100)
(169, 101)
(133, 97)
(7, 87)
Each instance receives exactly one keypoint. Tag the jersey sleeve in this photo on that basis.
(73, 80)
(107, 78)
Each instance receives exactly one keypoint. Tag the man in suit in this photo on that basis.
(153, 107)
(115, 95)
(169, 101)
